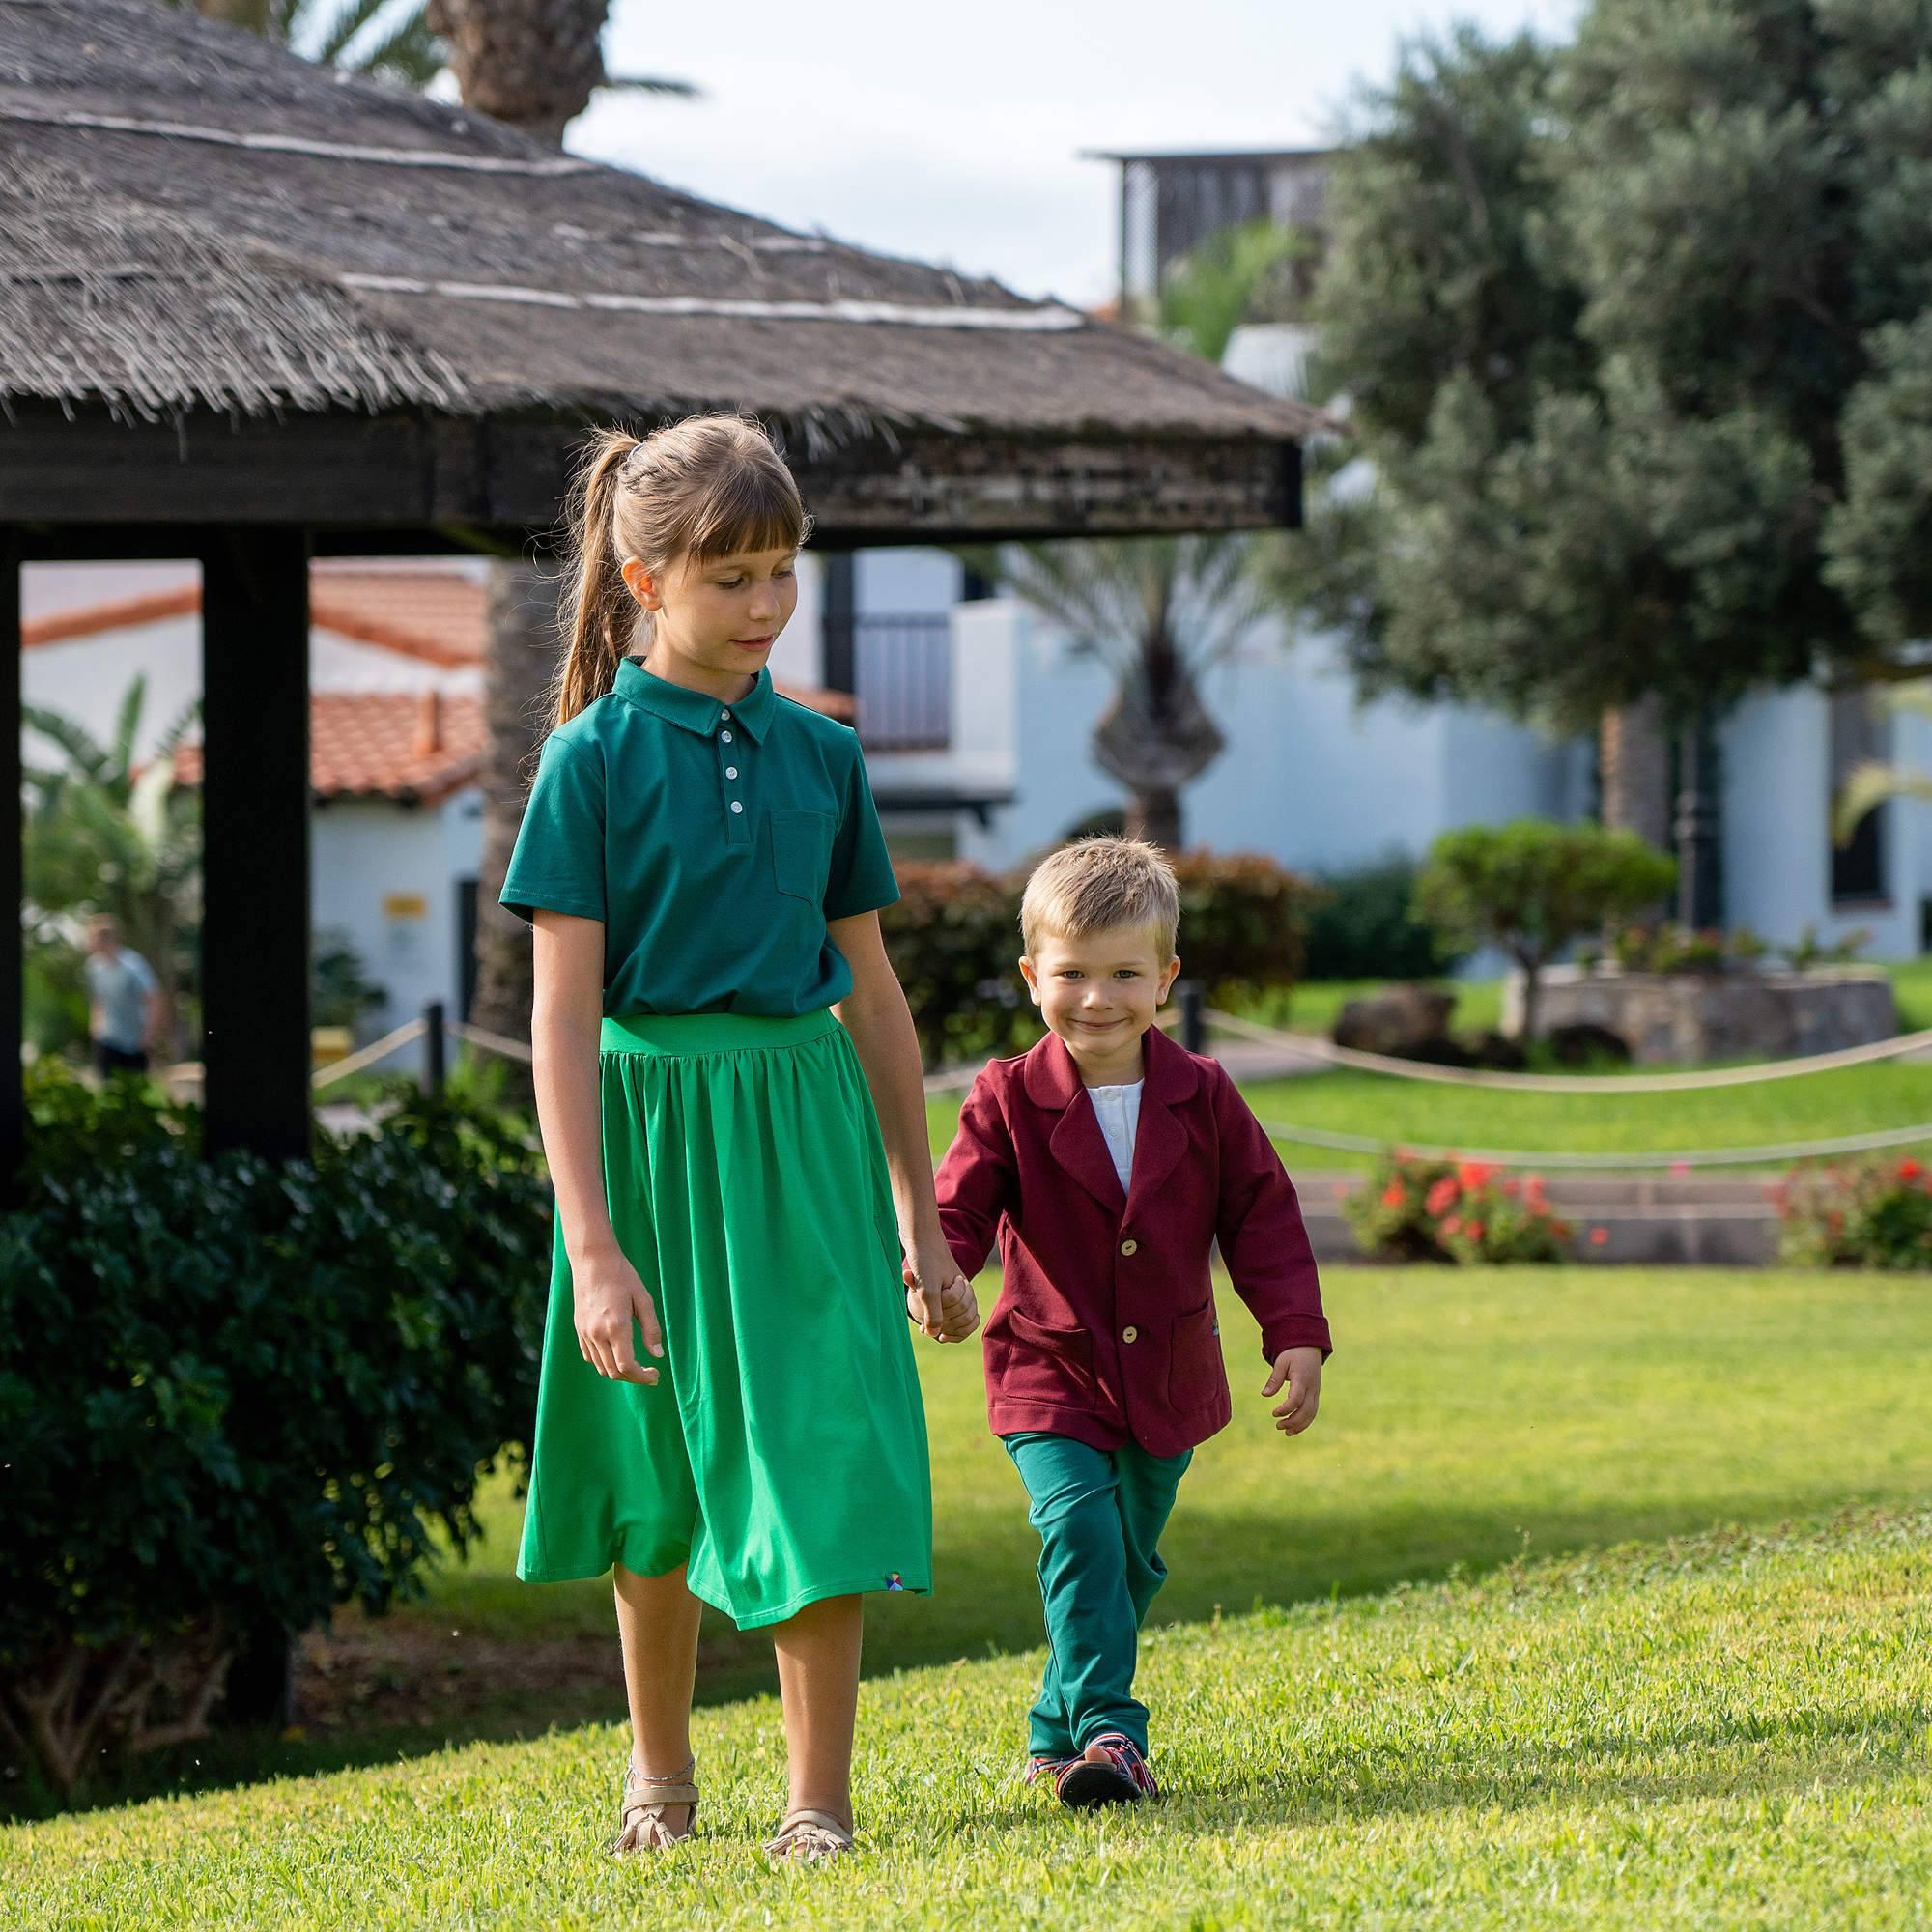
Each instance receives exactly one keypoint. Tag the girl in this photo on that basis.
(728, 1088)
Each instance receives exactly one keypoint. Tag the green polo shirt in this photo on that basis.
(714, 840)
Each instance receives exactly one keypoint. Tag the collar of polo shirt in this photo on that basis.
(697, 710)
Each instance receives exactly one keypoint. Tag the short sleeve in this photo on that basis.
(860, 878)
(557, 862)
(143, 973)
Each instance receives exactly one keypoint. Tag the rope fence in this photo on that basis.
(1317, 1048)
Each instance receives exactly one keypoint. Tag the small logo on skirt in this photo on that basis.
(893, 1580)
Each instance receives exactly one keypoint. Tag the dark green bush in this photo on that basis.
(1362, 926)
(953, 939)
(234, 1394)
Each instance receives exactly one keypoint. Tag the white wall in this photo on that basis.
(1774, 757)
(364, 853)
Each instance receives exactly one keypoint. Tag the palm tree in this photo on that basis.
(105, 836)
(390, 40)
(1159, 611)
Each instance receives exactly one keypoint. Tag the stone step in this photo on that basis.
(1652, 1237)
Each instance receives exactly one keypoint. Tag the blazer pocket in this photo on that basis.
(1196, 1374)
(801, 853)
(1030, 1362)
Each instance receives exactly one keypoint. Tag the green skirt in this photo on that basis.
(781, 1455)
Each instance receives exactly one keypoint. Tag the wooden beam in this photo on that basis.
(508, 477)
(13, 978)
(255, 869)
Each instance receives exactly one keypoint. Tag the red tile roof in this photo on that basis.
(412, 747)
(435, 615)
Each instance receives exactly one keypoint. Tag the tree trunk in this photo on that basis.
(522, 650)
(1153, 813)
(1635, 747)
(534, 64)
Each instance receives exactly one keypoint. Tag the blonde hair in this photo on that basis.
(705, 487)
(1095, 885)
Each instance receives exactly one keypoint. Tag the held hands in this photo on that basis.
(1301, 1370)
(609, 1297)
(947, 1311)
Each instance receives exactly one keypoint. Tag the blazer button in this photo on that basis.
(1130, 1334)
(1130, 1247)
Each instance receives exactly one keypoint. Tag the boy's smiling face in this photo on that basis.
(1099, 993)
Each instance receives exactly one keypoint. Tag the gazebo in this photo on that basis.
(251, 311)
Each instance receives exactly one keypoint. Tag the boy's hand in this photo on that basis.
(1301, 1370)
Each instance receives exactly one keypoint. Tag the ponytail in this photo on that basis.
(598, 615)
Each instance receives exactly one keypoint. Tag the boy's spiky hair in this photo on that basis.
(1097, 884)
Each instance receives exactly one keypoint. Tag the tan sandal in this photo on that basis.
(810, 1836)
(641, 1821)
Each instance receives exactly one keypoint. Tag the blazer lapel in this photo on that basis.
(1077, 1144)
(1171, 1077)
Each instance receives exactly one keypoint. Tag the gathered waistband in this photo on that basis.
(678, 1034)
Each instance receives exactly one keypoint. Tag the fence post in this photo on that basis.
(1193, 1023)
(433, 1048)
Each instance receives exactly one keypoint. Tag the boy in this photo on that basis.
(1107, 1161)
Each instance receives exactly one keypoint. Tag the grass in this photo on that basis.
(1725, 1732)
(1397, 1679)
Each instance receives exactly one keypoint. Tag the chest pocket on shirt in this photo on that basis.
(801, 853)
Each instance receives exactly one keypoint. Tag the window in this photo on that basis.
(1857, 734)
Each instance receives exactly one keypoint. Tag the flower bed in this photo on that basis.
(1465, 1211)
(1874, 1213)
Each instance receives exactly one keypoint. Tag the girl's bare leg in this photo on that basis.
(818, 1681)
(657, 1621)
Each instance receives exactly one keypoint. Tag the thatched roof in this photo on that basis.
(192, 219)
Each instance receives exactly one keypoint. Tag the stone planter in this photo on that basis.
(1688, 1019)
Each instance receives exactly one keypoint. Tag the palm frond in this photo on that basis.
(411, 55)
(83, 753)
(645, 83)
(127, 724)
(1866, 788)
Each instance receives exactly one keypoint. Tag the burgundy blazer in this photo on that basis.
(1104, 1329)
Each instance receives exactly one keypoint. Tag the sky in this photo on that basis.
(956, 134)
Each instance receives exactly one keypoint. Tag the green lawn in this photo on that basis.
(1729, 1732)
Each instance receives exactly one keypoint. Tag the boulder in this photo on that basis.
(1397, 1020)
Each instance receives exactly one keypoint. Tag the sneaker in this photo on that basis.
(1111, 1770)
(1042, 1766)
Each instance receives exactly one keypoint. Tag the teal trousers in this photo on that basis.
(1099, 1514)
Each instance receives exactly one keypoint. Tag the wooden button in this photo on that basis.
(1130, 1334)
(1130, 1247)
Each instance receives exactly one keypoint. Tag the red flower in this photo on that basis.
(1511, 1190)
(1474, 1230)
(1443, 1196)
(1679, 1167)
(1598, 1235)
(1452, 1226)
(1394, 1194)
(1473, 1173)
(1910, 1169)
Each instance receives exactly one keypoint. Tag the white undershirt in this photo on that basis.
(1117, 1109)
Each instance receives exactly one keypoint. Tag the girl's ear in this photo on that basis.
(641, 584)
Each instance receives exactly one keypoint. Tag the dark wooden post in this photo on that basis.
(13, 978)
(434, 1067)
(1700, 893)
(255, 872)
(838, 616)
(1193, 1021)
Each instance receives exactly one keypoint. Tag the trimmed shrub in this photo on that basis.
(1362, 926)
(236, 1393)
(1465, 1211)
(1873, 1213)
(953, 939)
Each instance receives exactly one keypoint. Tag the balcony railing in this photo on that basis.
(902, 677)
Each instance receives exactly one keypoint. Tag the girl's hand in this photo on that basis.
(609, 1297)
(939, 1298)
